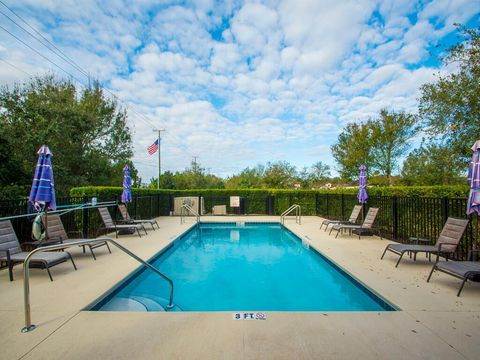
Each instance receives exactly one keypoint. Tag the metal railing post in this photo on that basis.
(26, 274)
(86, 220)
(298, 214)
(445, 209)
(151, 207)
(395, 214)
(328, 205)
(135, 207)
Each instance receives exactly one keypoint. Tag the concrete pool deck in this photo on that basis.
(433, 322)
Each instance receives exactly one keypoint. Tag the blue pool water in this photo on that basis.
(250, 267)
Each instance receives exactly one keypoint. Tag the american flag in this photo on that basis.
(152, 149)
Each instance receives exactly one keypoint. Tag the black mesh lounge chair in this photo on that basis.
(366, 226)
(108, 224)
(129, 220)
(56, 232)
(446, 244)
(352, 220)
(464, 270)
(11, 252)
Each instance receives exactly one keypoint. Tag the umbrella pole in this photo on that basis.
(46, 223)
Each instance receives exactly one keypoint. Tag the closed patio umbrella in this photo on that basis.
(127, 184)
(42, 194)
(473, 204)
(362, 195)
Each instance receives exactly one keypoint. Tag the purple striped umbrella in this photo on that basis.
(42, 194)
(473, 204)
(127, 184)
(362, 195)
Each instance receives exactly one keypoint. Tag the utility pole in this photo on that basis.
(195, 163)
(159, 158)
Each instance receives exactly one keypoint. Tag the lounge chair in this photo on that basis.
(352, 220)
(11, 252)
(108, 224)
(56, 232)
(129, 220)
(446, 244)
(366, 226)
(464, 270)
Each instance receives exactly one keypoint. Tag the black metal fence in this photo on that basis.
(399, 218)
(82, 221)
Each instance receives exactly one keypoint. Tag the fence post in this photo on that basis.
(199, 205)
(445, 208)
(135, 206)
(171, 203)
(395, 216)
(328, 205)
(343, 206)
(317, 203)
(85, 222)
(270, 205)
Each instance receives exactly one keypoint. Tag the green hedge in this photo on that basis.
(256, 198)
(403, 191)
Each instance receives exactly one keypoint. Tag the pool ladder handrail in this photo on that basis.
(189, 209)
(26, 273)
(298, 214)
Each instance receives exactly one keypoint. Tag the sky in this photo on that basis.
(238, 83)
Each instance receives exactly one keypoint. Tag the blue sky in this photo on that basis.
(239, 83)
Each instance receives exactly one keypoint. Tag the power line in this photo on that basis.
(40, 54)
(64, 57)
(16, 67)
(49, 45)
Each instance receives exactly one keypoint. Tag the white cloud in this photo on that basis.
(241, 82)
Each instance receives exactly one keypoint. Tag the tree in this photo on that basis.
(191, 178)
(249, 178)
(86, 132)
(319, 172)
(450, 107)
(279, 175)
(314, 175)
(432, 164)
(167, 181)
(353, 148)
(390, 135)
(10, 169)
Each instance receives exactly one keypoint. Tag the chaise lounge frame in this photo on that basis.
(127, 219)
(10, 246)
(357, 209)
(446, 244)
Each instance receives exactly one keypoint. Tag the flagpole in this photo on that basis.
(159, 158)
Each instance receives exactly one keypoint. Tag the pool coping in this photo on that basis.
(108, 294)
(347, 273)
(387, 305)
(433, 323)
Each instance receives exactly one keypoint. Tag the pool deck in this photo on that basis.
(433, 322)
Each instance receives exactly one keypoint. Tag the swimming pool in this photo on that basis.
(242, 267)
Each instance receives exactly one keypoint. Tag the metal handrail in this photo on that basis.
(190, 209)
(64, 210)
(298, 214)
(26, 273)
(289, 209)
